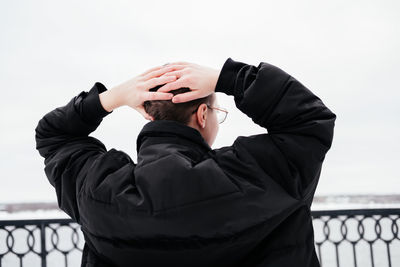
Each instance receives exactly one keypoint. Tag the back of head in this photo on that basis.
(180, 112)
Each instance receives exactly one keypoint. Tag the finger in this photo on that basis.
(150, 70)
(158, 68)
(161, 71)
(158, 96)
(177, 73)
(143, 112)
(173, 85)
(157, 81)
(184, 97)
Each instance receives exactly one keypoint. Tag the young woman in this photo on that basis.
(183, 203)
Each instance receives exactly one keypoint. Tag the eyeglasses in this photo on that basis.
(221, 113)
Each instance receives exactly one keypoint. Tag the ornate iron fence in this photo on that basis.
(362, 237)
(359, 237)
(40, 243)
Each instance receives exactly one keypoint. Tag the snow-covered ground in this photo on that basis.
(37, 214)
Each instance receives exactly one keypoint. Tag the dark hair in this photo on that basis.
(167, 110)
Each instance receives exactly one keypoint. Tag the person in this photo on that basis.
(183, 203)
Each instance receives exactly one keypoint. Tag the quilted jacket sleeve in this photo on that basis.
(62, 140)
(300, 127)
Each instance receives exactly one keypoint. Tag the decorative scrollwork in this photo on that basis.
(371, 234)
(42, 238)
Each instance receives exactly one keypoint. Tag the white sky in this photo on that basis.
(346, 52)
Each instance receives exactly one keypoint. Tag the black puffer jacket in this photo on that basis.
(183, 203)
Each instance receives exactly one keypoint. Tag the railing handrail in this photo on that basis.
(368, 211)
(314, 213)
(19, 222)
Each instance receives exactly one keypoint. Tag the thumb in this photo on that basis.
(143, 112)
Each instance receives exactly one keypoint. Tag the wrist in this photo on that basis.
(110, 99)
(215, 78)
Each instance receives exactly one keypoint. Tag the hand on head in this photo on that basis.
(200, 79)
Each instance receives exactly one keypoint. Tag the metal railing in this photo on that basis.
(361, 237)
(358, 237)
(39, 241)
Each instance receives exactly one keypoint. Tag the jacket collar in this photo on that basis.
(165, 128)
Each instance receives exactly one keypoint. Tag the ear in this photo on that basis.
(204, 116)
(201, 118)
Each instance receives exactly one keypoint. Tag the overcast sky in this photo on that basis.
(346, 52)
